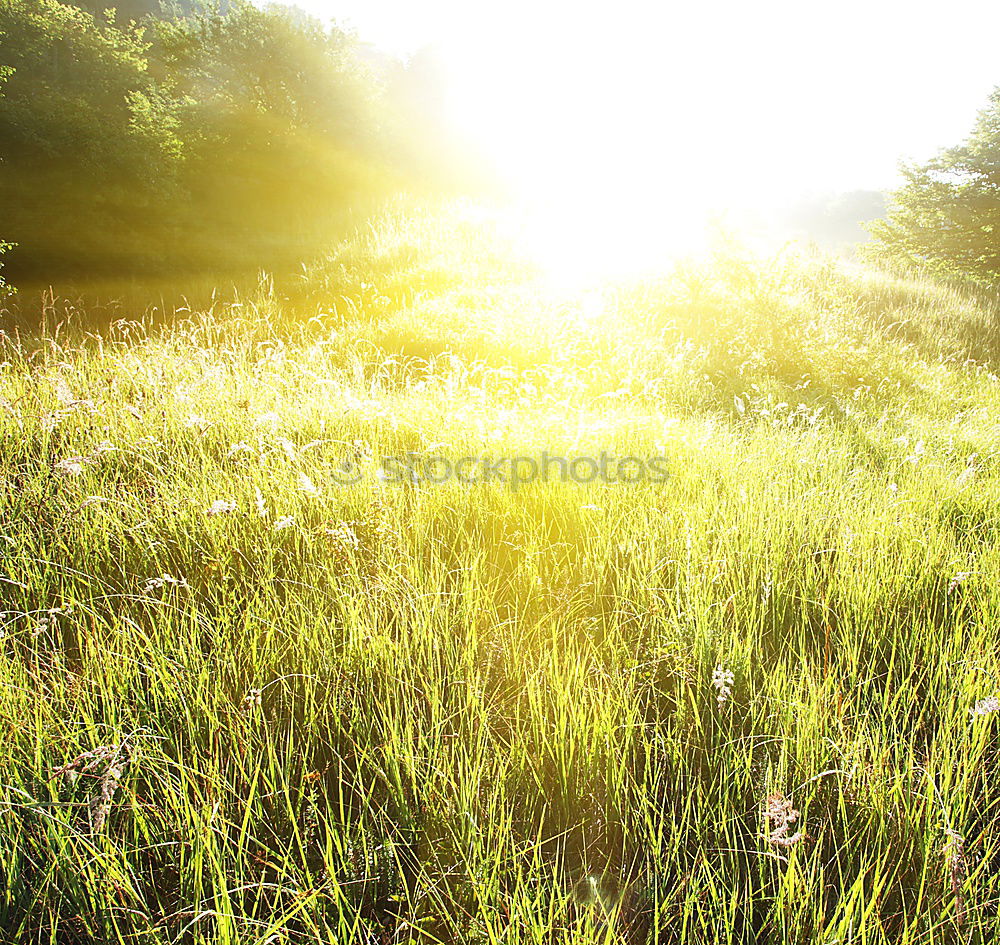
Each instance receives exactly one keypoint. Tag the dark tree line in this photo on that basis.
(199, 137)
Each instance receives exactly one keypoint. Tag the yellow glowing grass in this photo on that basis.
(244, 702)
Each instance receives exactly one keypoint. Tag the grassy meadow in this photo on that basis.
(248, 702)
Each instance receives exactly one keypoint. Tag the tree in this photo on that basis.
(282, 120)
(126, 10)
(946, 217)
(85, 135)
(225, 136)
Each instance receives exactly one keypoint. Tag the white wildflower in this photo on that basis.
(71, 466)
(251, 700)
(960, 578)
(986, 706)
(221, 507)
(342, 535)
(723, 680)
(62, 391)
(236, 448)
(164, 580)
(286, 521)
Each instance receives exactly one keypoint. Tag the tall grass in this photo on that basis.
(243, 703)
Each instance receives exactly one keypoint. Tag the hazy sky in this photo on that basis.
(793, 93)
(754, 103)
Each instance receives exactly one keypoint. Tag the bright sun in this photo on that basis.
(624, 126)
(599, 158)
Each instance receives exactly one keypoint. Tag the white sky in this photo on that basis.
(753, 102)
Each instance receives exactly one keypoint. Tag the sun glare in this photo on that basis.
(620, 138)
(622, 129)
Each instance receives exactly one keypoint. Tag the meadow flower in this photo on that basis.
(267, 419)
(164, 580)
(221, 507)
(779, 815)
(196, 421)
(258, 501)
(960, 578)
(723, 680)
(360, 450)
(63, 394)
(251, 700)
(105, 446)
(986, 706)
(343, 533)
(918, 452)
(343, 541)
(286, 521)
(74, 465)
(71, 466)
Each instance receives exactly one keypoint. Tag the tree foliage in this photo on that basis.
(218, 136)
(946, 217)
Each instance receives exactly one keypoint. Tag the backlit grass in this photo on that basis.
(289, 710)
